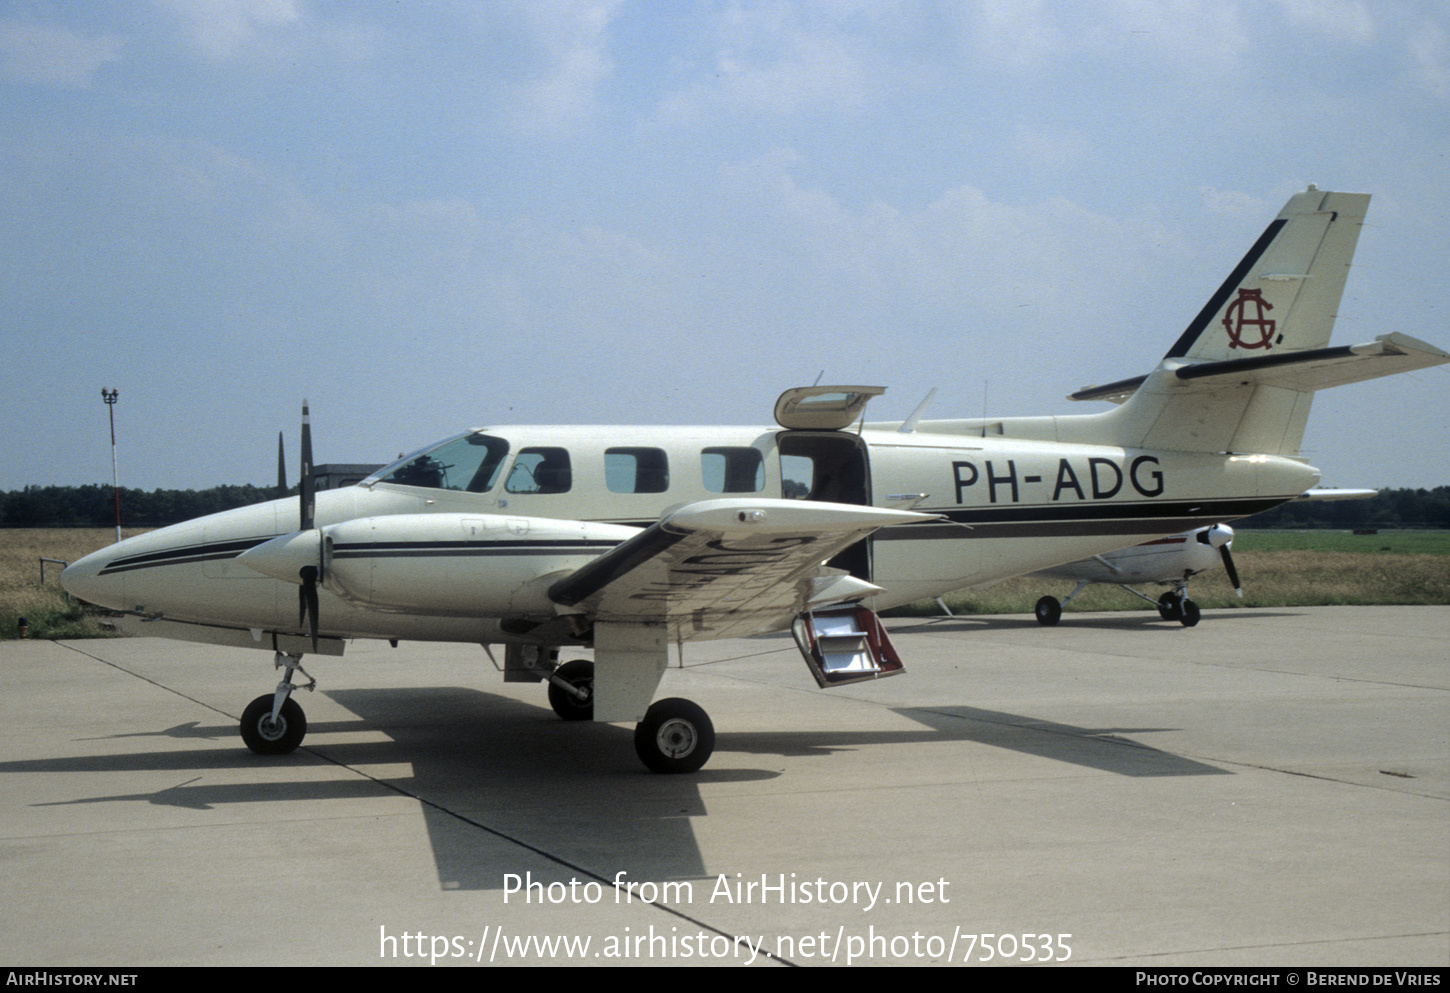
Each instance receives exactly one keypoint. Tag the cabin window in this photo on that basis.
(540, 470)
(636, 470)
(732, 470)
(469, 463)
(797, 477)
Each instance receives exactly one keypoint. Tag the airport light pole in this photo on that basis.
(111, 396)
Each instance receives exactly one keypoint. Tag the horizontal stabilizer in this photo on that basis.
(1306, 371)
(1321, 368)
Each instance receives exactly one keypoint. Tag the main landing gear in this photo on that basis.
(1172, 606)
(273, 724)
(675, 735)
(1175, 606)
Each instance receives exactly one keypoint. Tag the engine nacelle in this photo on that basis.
(473, 565)
(469, 565)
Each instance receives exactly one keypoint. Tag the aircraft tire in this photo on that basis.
(675, 736)
(1170, 607)
(1048, 611)
(566, 705)
(267, 738)
(1188, 613)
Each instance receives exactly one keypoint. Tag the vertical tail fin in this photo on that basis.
(1235, 381)
(1284, 294)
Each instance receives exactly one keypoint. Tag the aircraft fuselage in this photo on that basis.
(484, 537)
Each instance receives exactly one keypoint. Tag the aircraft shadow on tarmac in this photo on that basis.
(476, 762)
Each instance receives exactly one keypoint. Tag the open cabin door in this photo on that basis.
(820, 461)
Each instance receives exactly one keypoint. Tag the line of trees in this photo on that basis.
(93, 506)
(1387, 509)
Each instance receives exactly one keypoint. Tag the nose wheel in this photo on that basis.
(268, 735)
(273, 724)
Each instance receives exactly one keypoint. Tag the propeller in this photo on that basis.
(300, 556)
(311, 575)
(1221, 536)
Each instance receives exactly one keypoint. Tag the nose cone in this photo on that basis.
(1219, 535)
(87, 579)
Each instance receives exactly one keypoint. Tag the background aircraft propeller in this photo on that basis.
(281, 468)
(1220, 536)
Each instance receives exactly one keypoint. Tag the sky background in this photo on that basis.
(429, 216)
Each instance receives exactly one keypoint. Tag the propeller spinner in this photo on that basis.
(1221, 536)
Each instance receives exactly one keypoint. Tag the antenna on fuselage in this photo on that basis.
(908, 426)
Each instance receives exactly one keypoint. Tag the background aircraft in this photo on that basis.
(1168, 561)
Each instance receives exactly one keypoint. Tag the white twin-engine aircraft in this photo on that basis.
(625, 539)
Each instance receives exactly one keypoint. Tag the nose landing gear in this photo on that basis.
(274, 724)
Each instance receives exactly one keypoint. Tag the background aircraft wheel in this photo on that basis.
(1188, 613)
(267, 737)
(1170, 606)
(1048, 611)
(675, 736)
(580, 673)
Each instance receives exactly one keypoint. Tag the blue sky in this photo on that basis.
(435, 215)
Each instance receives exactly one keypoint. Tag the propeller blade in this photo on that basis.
(309, 494)
(307, 601)
(1233, 574)
(281, 467)
(307, 593)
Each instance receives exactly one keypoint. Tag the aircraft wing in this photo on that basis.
(727, 568)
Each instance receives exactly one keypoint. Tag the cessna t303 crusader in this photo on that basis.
(625, 540)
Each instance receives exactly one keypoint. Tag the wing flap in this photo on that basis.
(727, 568)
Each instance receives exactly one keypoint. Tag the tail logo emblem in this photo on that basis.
(1237, 318)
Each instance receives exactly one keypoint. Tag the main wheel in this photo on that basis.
(675, 736)
(1188, 613)
(268, 737)
(1170, 606)
(580, 674)
(1048, 611)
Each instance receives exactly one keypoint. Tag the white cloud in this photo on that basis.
(1430, 59)
(53, 56)
(778, 59)
(1347, 20)
(570, 39)
(1235, 204)
(221, 28)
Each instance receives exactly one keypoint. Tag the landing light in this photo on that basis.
(751, 516)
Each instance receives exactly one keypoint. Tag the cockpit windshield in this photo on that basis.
(469, 463)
